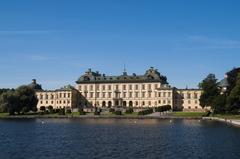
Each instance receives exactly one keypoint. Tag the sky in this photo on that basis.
(56, 41)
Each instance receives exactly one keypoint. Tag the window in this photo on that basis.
(196, 102)
(143, 103)
(136, 87)
(196, 107)
(156, 86)
(149, 87)
(69, 95)
(103, 87)
(164, 102)
(52, 102)
(189, 102)
(79, 88)
(40, 102)
(159, 94)
(130, 94)
(109, 94)
(109, 87)
(64, 95)
(169, 102)
(116, 86)
(91, 94)
(130, 87)
(143, 94)
(189, 107)
(136, 94)
(124, 94)
(103, 94)
(143, 86)
(149, 94)
(41, 96)
(91, 87)
(164, 94)
(85, 88)
(159, 101)
(188, 95)
(124, 87)
(169, 94)
(195, 95)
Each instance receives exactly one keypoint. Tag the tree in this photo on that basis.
(232, 78)
(27, 98)
(233, 101)
(219, 104)
(9, 102)
(210, 90)
(50, 108)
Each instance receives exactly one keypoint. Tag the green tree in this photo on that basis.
(27, 98)
(9, 102)
(219, 104)
(210, 90)
(232, 78)
(233, 100)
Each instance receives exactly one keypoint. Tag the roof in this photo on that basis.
(151, 75)
(34, 85)
(224, 83)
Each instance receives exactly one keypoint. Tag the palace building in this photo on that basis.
(138, 91)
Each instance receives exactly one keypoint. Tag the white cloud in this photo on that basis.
(206, 42)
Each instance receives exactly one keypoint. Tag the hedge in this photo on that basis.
(163, 108)
(145, 112)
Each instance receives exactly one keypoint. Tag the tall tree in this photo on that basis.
(233, 101)
(232, 78)
(9, 102)
(27, 98)
(210, 90)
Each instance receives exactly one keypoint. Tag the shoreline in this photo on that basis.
(93, 117)
(233, 122)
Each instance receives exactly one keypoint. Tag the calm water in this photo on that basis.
(112, 138)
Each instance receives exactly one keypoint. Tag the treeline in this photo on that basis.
(222, 101)
(20, 100)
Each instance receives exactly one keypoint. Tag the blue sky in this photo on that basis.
(55, 41)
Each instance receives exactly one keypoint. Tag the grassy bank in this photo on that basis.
(188, 114)
(226, 116)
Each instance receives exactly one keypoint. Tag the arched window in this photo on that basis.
(124, 103)
(109, 104)
(130, 103)
(103, 104)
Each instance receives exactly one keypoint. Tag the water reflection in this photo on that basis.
(117, 138)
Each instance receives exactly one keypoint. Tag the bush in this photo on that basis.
(68, 111)
(42, 108)
(129, 111)
(163, 108)
(97, 113)
(81, 112)
(111, 110)
(61, 111)
(118, 112)
(50, 108)
(145, 112)
(57, 110)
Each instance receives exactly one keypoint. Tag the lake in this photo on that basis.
(117, 138)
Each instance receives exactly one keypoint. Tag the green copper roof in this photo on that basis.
(151, 75)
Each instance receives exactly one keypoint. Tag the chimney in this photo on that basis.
(34, 81)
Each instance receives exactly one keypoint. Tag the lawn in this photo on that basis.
(226, 116)
(188, 114)
(4, 114)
